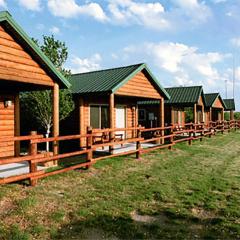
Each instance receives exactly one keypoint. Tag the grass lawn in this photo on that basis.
(187, 193)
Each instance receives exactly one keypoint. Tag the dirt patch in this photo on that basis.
(6, 205)
(202, 214)
(137, 217)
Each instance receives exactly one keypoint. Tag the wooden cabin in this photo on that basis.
(214, 110)
(23, 67)
(181, 98)
(230, 107)
(108, 98)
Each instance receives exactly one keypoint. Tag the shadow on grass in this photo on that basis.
(66, 162)
(164, 226)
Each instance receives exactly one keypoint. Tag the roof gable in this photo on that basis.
(13, 27)
(211, 98)
(110, 80)
(230, 104)
(139, 86)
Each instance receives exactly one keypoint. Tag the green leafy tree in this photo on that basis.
(237, 115)
(188, 115)
(37, 105)
(226, 116)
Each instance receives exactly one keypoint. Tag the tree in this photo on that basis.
(237, 115)
(188, 115)
(38, 105)
(226, 116)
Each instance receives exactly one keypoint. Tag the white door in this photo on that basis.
(121, 120)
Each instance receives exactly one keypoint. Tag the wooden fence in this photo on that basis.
(142, 140)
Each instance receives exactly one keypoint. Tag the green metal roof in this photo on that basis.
(230, 104)
(110, 80)
(9, 22)
(211, 97)
(184, 96)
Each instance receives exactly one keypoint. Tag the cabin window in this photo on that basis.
(99, 116)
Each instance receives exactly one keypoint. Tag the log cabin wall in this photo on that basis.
(179, 115)
(139, 86)
(7, 125)
(207, 117)
(83, 122)
(200, 101)
(16, 64)
(218, 103)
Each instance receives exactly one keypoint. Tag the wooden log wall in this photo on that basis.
(16, 64)
(7, 125)
(84, 112)
(218, 103)
(139, 86)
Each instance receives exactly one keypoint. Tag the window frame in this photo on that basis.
(99, 106)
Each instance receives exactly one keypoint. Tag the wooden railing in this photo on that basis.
(143, 140)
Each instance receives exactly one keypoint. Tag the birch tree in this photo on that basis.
(38, 104)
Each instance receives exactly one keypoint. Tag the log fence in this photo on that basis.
(143, 140)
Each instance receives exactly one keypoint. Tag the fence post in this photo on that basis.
(89, 144)
(171, 138)
(138, 146)
(202, 132)
(190, 134)
(210, 130)
(33, 166)
(111, 139)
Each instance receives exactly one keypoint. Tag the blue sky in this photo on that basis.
(184, 42)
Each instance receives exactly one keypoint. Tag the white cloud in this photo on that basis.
(80, 65)
(185, 64)
(70, 9)
(169, 55)
(150, 15)
(54, 30)
(193, 11)
(235, 41)
(3, 4)
(33, 5)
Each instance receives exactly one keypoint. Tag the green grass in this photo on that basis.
(187, 193)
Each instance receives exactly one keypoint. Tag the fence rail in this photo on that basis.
(157, 138)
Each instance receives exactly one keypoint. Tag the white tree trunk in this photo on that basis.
(47, 136)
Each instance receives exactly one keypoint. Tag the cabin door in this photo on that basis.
(121, 119)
